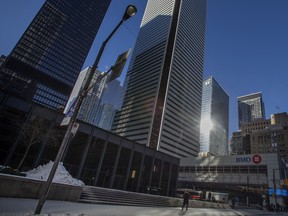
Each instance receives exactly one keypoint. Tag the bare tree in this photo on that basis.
(35, 132)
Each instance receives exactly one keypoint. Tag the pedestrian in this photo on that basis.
(233, 202)
(209, 196)
(186, 197)
(277, 207)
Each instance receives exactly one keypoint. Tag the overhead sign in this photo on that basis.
(74, 128)
(243, 159)
(256, 159)
(279, 192)
(69, 114)
(76, 90)
(119, 65)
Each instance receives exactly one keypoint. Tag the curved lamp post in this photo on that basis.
(130, 11)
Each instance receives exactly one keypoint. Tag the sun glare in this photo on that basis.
(206, 125)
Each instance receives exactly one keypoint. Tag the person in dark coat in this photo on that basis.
(233, 202)
(186, 197)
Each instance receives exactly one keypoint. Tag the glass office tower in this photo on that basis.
(214, 125)
(250, 108)
(162, 104)
(46, 61)
(91, 103)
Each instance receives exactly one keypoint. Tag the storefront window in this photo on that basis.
(134, 172)
(122, 171)
(107, 165)
(156, 173)
(243, 169)
(235, 169)
(212, 169)
(252, 169)
(262, 169)
(186, 169)
(147, 168)
(192, 169)
(227, 169)
(220, 169)
(74, 153)
(90, 166)
(165, 178)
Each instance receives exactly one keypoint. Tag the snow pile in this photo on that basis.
(61, 176)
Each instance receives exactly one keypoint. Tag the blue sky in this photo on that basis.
(246, 44)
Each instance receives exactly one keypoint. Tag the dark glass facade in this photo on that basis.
(46, 61)
(250, 108)
(95, 156)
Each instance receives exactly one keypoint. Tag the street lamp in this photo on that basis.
(247, 191)
(130, 11)
(277, 179)
(274, 186)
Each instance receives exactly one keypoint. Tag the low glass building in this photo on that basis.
(95, 156)
(252, 178)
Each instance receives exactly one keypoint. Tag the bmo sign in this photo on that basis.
(256, 159)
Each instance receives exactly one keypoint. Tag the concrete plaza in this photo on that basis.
(18, 206)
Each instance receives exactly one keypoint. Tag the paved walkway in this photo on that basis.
(17, 206)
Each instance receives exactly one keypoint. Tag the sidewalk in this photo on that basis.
(18, 206)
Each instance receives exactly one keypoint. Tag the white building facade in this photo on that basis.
(249, 176)
(162, 105)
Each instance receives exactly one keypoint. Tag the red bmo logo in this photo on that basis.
(256, 159)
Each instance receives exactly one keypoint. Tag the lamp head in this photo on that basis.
(131, 10)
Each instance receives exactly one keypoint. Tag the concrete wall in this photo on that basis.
(21, 187)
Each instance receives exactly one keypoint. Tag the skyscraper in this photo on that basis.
(105, 116)
(102, 100)
(2, 59)
(46, 61)
(111, 101)
(250, 108)
(112, 94)
(91, 103)
(162, 104)
(214, 119)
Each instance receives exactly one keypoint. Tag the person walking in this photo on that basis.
(186, 197)
(233, 202)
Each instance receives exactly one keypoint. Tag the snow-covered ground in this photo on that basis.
(61, 175)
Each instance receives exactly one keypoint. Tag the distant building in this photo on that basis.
(250, 127)
(236, 143)
(112, 94)
(214, 119)
(111, 101)
(162, 105)
(46, 61)
(101, 102)
(279, 118)
(90, 105)
(262, 136)
(273, 138)
(250, 108)
(105, 116)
